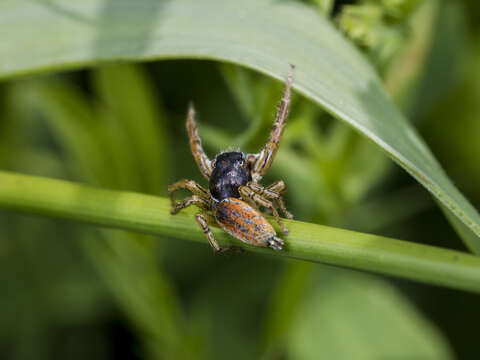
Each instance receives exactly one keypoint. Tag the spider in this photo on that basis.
(234, 192)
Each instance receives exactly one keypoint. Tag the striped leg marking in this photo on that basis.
(249, 194)
(192, 200)
(202, 221)
(190, 185)
(273, 191)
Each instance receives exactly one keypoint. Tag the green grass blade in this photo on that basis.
(262, 35)
(149, 214)
(131, 98)
(67, 113)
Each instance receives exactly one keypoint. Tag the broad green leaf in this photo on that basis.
(332, 313)
(263, 35)
(325, 6)
(353, 316)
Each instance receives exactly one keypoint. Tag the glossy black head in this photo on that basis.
(231, 171)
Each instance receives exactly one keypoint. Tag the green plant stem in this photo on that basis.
(151, 214)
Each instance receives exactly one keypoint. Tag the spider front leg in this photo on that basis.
(263, 160)
(273, 191)
(202, 160)
(249, 194)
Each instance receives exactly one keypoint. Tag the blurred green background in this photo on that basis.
(71, 291)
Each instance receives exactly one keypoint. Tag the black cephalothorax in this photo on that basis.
(231, 170)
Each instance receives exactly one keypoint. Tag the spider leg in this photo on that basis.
(194, 187)
(282, 207)
(264, 159)
(248, 193)
(202, 221)
(278, 186)
(202, 160)
(192, 200)
(273, 191)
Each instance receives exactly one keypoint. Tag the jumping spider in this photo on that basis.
(234, 192)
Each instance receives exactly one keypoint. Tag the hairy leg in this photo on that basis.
(278, 186)
(202, 221)
(190, 185)
(202, 160)
(192, 200)
(274, 192)
(248, 193)
(264, 159)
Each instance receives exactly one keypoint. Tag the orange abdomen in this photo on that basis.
(244, 222)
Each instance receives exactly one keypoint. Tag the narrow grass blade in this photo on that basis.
(150, 214)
